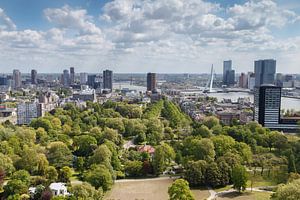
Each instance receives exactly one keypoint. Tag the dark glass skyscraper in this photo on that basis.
(72, 75)
(33, 77)
(267, 102)
(264, 72)
(228, 73)
(151, 82)
(107, 79)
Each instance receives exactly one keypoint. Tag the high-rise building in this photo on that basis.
(72, 75)
(228, 73)
(264, 72)
(108, 79)
(17, 79)
(91, 79)
(3, 80)
(243, 81)
(267, 102)
(66, 78)
(151, 82)
(33, 77)
(83, 78)
(28, 111)
(251, 80)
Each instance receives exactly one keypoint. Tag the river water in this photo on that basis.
(286, 103)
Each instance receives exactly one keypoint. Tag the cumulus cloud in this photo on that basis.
(169, 33)
(6, 22)
(69, 18)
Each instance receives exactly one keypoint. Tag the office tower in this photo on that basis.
(228, 73)
(72, 75)
(107, 79)
(251, 80)
(28, 111)
(17, 78)
(91, 79)
(33, 77)
(3, 80)
(267, 100)
(279, 79)
(83, 78)
(264, 72)
(243, 81)
(66, 78)
(151, 82)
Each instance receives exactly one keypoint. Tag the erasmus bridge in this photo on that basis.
(209, 84)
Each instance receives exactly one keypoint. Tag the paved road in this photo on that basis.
(145, 179)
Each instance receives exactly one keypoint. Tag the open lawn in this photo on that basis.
(151, 189)
(246, 196)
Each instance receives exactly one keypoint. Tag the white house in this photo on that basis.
(59, 189)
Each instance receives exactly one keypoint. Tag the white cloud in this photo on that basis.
(6, 22)
(69, 18)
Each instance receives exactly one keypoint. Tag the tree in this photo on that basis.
(223, 144)
(162, 157)
(41, 122)
(86, 191)
(203, 131)
(180, 190)
(213, 175)
(84, 145)
(239, 177)
(59, 155)
(133, 168)
(6, 164)
(65, 174)
(51, 174)
(288, 191)
(14, 187)
(21, 175)
(102, 155)
(2, 176)
(202, 149)
(99, 176)
(211, 121)
(195, 172)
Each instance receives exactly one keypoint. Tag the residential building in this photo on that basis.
(151, 82)
(33, 77)
(85, 95)
(59, 189)
(264, 72)
(17, 81)
(108, 79)
(83, 78)
(72, 75)
(243, 81)
(66, 78)
(28, 111)
(251, 80)
(3, 80)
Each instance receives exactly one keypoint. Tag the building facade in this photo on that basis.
(66, 78)
(108, 79)
(28, 111)
(151, 82)
(33, 77)
(83, 78)
(72, 75)
(17, 81)
(264, 72)
(228, 73)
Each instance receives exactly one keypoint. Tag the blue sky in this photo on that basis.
(175, 36)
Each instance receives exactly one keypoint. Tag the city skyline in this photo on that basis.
(159, 36)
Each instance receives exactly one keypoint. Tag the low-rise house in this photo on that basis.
(59, 189)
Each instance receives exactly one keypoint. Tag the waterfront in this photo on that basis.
(286, 103)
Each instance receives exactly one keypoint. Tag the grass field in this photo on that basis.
(246, 196)
(147, 190)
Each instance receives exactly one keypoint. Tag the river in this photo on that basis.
(286, 103)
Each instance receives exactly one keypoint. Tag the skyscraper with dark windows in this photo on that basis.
(91, 79)
(151, 82)
(228, 73)
(267, 102)
(72, 75)
(33, 77)
(264, 72)
(108, 79)
(17, 81)
(66, 78)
